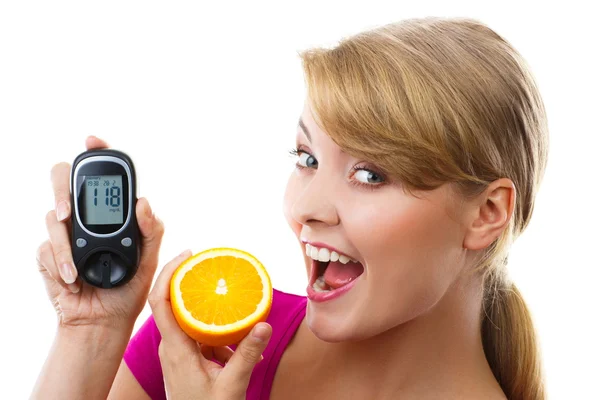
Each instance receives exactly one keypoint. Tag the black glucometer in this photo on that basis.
(105, 235)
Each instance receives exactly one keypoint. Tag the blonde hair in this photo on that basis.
(437, 100)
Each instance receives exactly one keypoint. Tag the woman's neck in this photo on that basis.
(438, 352)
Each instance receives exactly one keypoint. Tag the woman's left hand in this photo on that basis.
(186, 364)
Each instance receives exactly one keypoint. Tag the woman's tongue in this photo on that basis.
(337, 274)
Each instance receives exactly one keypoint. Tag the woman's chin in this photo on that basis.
(328, 328)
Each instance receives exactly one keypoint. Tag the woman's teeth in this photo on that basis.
(325, 255)
(320, 285)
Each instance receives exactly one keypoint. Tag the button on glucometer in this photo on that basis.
(81, 242)
(126, 242)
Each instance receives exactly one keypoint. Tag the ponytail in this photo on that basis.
(510, 342)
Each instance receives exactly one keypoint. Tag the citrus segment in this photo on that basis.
(218, 295)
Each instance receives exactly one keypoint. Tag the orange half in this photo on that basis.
(219, 294)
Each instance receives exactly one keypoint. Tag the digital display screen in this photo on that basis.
(103, 196)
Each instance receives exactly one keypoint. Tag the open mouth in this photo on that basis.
(331, 275)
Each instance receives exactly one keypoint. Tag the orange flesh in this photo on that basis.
(199, 289)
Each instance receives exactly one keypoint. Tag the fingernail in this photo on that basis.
(74, 288)
(62, 210)
(68, 273)
(186, 253)
(260, 332)
(261, 358)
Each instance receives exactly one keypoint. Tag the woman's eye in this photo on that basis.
(306, 160)
(368, 176)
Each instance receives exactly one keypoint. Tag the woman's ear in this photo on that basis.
(491, 213)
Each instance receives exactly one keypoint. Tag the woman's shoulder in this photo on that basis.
(282, 301)
(287, 311)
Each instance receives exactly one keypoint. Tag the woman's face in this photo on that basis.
(410, 248)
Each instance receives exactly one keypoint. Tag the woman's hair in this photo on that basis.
(446, 100)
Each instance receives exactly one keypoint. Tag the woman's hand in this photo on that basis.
(80, 304)
(186, 364)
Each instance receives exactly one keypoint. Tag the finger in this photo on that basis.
(247, 355)
(222, 353)
(47, 265)
(93, 142)
(59, 175)
(152, 230)
(61, 248)
(160, 303)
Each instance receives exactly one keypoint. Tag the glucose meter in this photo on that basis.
(105, 235)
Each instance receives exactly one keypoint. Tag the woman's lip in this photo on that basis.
(320, 297)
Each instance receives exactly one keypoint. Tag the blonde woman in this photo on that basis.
(420, 150)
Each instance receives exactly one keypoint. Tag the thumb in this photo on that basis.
(247, 355)
(152, 230)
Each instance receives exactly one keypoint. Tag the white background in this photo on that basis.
(206, 98)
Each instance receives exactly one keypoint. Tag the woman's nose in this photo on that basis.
(315, 203)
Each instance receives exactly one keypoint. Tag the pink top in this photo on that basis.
(287, 312)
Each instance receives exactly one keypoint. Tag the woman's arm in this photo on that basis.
(126, 387)
(82, 363)
(94, 324)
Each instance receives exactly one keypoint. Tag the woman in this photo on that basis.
(421, 147)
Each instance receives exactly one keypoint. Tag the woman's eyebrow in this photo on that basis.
(303, 127)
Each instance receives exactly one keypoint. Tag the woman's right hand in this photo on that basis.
(78, 303)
